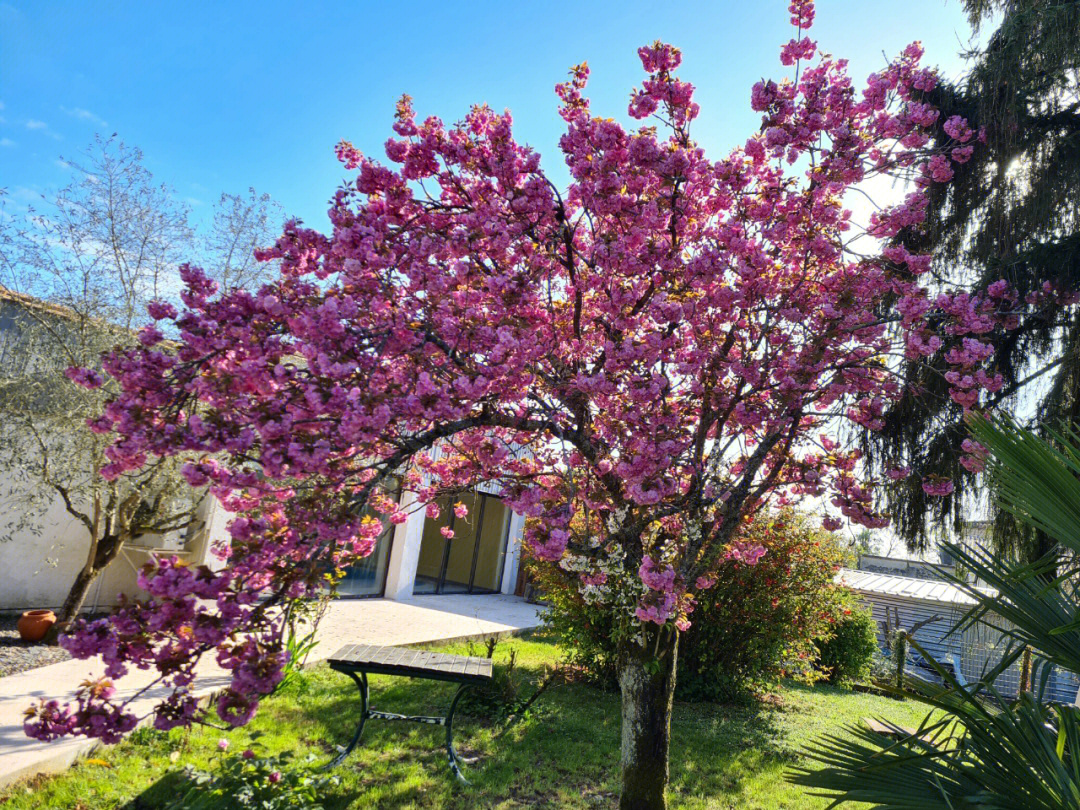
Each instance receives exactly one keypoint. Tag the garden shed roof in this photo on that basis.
(929, 590)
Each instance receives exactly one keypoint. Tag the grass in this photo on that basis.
(564, 754)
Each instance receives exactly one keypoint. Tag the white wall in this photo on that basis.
(513, 553)
(36, 570)
(405, 551)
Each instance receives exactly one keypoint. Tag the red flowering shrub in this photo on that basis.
(758, 623)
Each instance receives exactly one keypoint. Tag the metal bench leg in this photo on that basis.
(451, 754)
(362, 685)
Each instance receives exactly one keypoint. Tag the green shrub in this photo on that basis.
(848, 654)
(586, 632)
(757, 625)
(248, 780)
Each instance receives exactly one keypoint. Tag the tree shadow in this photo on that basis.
(715, 747)
(571, 742)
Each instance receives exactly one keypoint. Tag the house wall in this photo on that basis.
(37, 567)
(39, 561)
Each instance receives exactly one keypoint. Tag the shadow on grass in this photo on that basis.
(158, 794)
(716, 747)
(565, 753)
(572, 738)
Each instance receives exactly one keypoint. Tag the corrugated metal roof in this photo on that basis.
(929, 590)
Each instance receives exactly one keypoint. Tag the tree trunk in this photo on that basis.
(104, 552)
(647, 684)
(76, 597)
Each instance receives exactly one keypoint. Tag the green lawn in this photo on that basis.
(563, 755)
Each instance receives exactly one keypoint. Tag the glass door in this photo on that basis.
(368, 576)
(472, 560)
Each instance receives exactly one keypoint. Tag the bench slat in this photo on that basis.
(411, 663)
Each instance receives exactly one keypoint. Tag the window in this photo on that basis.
(368, 576)
(471, 561)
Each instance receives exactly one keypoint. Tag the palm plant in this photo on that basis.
(978, 748)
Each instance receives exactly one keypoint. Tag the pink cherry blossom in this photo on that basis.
(85, 377)
(936, 486)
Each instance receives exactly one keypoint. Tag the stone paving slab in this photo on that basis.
(421, 620)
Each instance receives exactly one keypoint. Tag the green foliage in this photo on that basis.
(586, 632)
(899, 657)
(302, 624)
(247, 780)
(979, 748)
(760, 623)
(1010, 212)
(848, 654)
(757, 625)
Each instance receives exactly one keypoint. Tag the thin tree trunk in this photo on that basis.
(85, 578)
(105, 551)
(76, 597)
(647, 684)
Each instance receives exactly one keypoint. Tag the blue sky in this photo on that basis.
(222, 96)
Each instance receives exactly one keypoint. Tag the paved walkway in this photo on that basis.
(370, 621)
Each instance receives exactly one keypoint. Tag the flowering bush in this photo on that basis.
(248, 781)
(757, 623)
(760, 623)
(847, 654)
(587, 631)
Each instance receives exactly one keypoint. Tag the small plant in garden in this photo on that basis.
(899, 658)
(506, 698)
(847, 654)
(248, 780)
(301, 627)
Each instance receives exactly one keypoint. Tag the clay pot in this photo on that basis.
(34, 624)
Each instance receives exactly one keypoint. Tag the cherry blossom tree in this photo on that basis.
(639, 362)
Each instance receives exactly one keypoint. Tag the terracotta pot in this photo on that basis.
(34, 624)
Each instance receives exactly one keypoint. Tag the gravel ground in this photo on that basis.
(17, 655)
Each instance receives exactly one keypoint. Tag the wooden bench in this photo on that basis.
(357, 660)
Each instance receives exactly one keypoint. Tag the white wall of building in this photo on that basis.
(405, 551)
(37, 567)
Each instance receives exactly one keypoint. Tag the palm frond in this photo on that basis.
(1034, 480)
(976, 748)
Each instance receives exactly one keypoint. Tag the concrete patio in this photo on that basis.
(372, 621)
